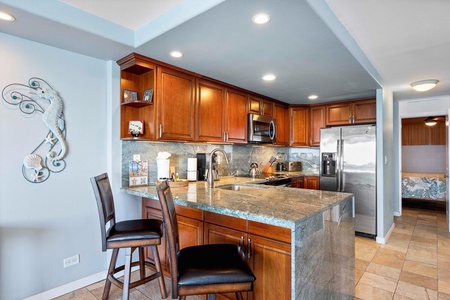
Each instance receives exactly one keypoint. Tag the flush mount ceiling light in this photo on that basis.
(269, 77)
(424, 85)
(6, 17)
(430, 121)
(176, 54)
(261, 19)
(313, 97)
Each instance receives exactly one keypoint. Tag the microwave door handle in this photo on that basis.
(272, 130)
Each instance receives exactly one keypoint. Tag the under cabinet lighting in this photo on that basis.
(6, 17)
(424, 85)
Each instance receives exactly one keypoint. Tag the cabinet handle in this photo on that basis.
(226, 140)
(249, 248)
(350, 119)
(160, 130)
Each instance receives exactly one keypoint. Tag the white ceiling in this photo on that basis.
(309, 44)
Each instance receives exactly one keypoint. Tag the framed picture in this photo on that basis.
(138, 171)
(129, 96)
(136, 128)
(148, 95)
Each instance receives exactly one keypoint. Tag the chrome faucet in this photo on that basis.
(210, 169)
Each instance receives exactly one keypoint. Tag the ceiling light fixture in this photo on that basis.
(6, 17)
(424, 85)
(261, 19)
(269, 77)
(313, 97)
(430, 121)
(176, 54)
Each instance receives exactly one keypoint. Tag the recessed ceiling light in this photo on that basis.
(313, 97)
(176, 54)
(269, 77)
(6, 17)
(424, 85)
(261, 19)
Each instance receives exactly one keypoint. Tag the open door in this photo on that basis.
(447, 162)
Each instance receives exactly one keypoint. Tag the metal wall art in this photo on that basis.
(39, 97)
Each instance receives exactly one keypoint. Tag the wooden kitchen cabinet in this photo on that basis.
(299, 119)
(236, 117)
(137, 73)
(311, 182)
(260, 106)
(282, 125)
(176, 105)
(415, 132)
(297, 182)
(317, 122)
(351, 112)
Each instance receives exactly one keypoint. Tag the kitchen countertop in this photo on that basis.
(279, 206)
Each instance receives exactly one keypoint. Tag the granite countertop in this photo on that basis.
(279, 206)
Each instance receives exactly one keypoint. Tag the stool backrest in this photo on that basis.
(105, 203)
(171, 226)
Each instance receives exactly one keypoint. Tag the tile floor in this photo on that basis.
(414, 264)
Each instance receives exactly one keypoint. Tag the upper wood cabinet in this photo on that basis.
(415, 132)
(235, 116)
(351, 112)
(210, 112)
(260, 106)
(175, 103)
(317, 122)
(282, 125)
(299, 118)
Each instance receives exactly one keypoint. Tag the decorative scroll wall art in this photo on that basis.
(38, 97)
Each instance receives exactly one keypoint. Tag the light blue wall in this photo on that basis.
(41, 224)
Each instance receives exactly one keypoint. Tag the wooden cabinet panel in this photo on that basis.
(299, 118)
(415, 132)
(175, 102)
(236, 117)
(351, 112)
(210, 112)
(261, 106)
(338, 114)
(297, 182)
(312, 182)
(282, 125)
(317, 122)
(364, 112)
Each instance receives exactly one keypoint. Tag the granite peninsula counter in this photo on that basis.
(321, 225)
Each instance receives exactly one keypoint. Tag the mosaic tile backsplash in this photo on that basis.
(239, 156)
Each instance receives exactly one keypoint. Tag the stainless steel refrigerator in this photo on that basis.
(348, 164)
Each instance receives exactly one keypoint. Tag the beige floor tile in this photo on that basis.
(415, 292)
(421, 268)
(422, 253)
(443, 286)
(444, 274)
(390, 258)
(444, 261)
(367, 292)
(361, 264)
(419, 280)
(378, 281)
(385, 271)
(365, 250)
(400, 297)
(443, 296)
(81, 294)
(358, 275)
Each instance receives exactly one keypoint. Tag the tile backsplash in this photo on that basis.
(239, 156)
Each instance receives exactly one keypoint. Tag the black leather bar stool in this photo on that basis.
(205, 269)
(131, 235)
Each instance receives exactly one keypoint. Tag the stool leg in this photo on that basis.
(162, 284)
(112, 265)
(127, 274)
(238, 296)
(141, 262)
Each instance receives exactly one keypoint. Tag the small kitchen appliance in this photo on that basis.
(254, 171)
(293, 166)
(261, 129)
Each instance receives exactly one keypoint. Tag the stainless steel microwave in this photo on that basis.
(261, 129)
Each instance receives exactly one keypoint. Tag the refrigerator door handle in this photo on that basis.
(338, 171)
(341, 167)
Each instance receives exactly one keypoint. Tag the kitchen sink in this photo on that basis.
(241, 187)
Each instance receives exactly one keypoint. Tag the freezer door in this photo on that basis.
(329, 138)
(359, 176)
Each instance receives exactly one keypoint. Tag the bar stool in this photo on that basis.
(131, 235)
(204, 269)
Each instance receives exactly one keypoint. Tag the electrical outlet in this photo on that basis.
(136, 157)
(70, 261)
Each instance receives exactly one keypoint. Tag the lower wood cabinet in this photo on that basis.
(312, 182)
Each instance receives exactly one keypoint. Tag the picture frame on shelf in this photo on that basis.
(148, 96)
(138, 173)
(129, 96)
(136, 128)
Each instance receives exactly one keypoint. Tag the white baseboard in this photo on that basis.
(384, 240)
(397, 214)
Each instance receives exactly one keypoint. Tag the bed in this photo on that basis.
(426, 186)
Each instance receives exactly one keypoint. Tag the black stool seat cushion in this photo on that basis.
(209, 264)
(134, 230)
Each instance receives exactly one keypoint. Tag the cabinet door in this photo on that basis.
(317, 122)
(191, 231)
(267, 108)
(299, 118)
(152, 213)
(282, 125)
(175, 102)
(364, 112)
(210, 111)
(260, 106)
(338, 114)
(271, 263)
(312, 182)
(236, 117)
